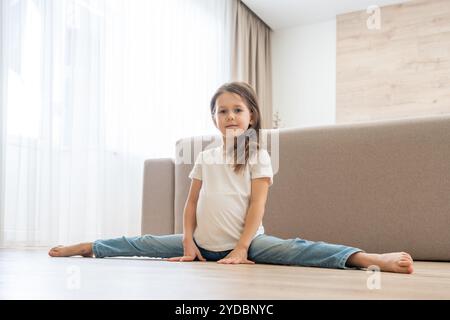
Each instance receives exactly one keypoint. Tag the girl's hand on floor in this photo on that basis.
(237, 256)
(190, 253)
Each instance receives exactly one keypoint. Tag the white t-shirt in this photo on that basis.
(225, 197)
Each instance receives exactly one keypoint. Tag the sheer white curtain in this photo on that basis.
(89, 90)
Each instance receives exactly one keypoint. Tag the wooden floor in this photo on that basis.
(32, 274)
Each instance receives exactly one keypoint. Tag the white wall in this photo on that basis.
(304, 74)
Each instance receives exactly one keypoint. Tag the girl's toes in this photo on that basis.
(406, 255)
(54, 252)
(404, 263)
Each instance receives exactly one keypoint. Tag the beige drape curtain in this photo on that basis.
(2, 122)
(251, 59)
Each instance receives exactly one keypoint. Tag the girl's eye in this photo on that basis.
(236, 110)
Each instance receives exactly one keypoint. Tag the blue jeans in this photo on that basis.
(263, 249)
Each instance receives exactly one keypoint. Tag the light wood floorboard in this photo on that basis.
(32, 274)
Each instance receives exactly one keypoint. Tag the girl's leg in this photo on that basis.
(148, 246)
(272, 250)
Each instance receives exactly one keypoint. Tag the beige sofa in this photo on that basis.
(381, 186)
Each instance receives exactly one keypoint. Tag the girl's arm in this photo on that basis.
(191, 252)
(255, 213)
(260, 189)
(190, 209)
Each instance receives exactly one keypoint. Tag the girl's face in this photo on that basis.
(232, 116)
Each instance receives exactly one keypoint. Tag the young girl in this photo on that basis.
(223, 214)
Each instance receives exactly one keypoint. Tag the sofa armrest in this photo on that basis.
(158, 197)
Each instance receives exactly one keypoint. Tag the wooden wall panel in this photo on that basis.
(401, 70)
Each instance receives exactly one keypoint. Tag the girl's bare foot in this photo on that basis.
(400, 262)
(81, 249)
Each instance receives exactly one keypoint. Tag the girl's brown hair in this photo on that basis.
(251, 135)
